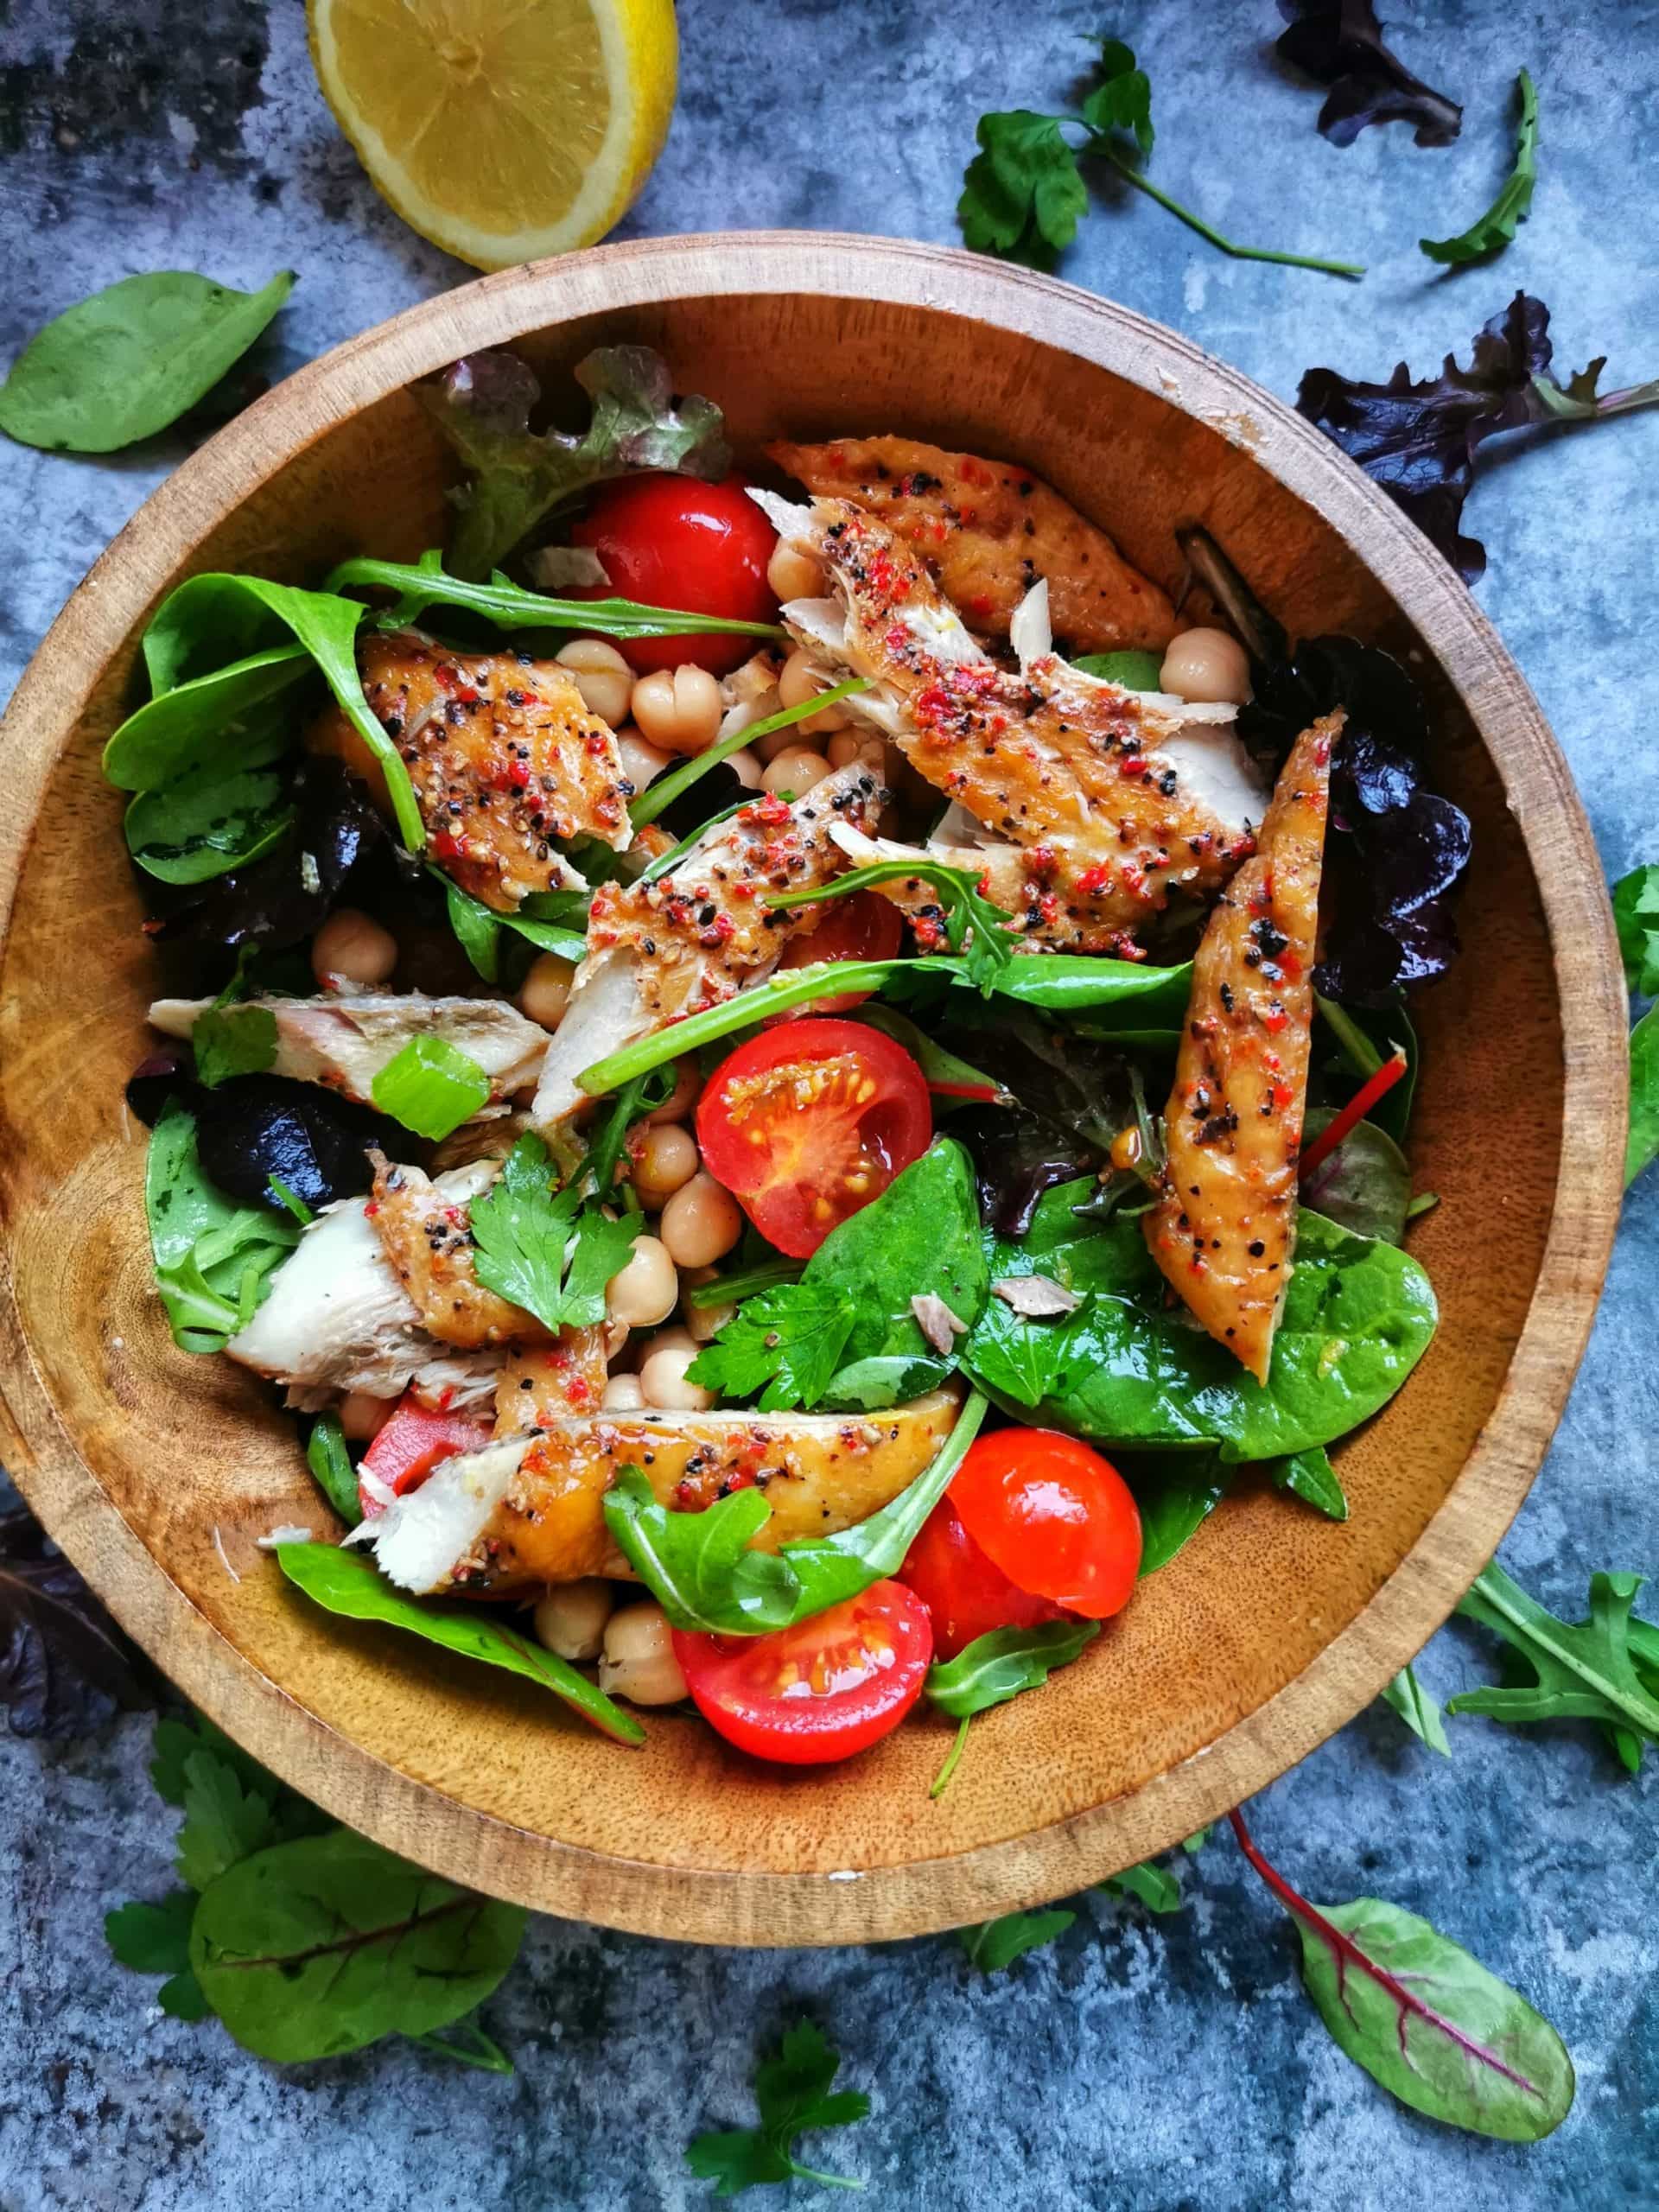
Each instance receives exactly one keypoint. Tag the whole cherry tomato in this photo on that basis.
(671, 541)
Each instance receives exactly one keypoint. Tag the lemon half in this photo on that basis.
(501, 130)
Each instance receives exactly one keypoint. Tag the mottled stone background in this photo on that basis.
(1155, 2065)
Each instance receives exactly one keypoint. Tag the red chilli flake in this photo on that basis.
(1374, 1087)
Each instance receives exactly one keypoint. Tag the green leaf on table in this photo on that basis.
(794, 2097)
(225, 1821)
(1156, 1887)
(1491, 232)
(999, 1665)
(786, 1344)
(1636, 915)
(1310, 1476)
(152, 1938)
(331, 1465)
(1365, 1186)
(323, 1945)
(542, 1248)
(233, 1041)
(1120, 100)
(345, 1583)
(431, 1086)
(175, 1742)
(483, 404)
(1175, 1503)
(1581, 1671)
(1642, 1146)
(1022, 196)
(213, 1259)
(131, 359)
(1417, 1709)
(995, 1945)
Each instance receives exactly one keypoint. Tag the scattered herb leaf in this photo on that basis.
(1641, 1147)
(793, 2092)
(233, 1041)
(995, 1945)
(1635, 914)
(1491, 232)
(213, 1260)
(1156, 1887)
(1339, 44)
(1583, 1671)
(1420, 1711)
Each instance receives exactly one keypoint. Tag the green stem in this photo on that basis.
(1362, 1055)
(727, 1290)
(942, 1781)
(664, 792)
(829, 2181)
(1130, 175)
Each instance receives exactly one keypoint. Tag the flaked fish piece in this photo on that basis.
(1224, 1227)
(506, 759)
(657, 951)
(539, 1384)
(344, 1043)
(990, 530)
(425, 1230)
(1073, 771)
(530, 1509)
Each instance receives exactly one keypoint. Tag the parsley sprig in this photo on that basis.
(543, 1249)
(792, 2090)
(789, 1340)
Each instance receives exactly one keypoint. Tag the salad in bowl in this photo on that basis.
(793, 1070)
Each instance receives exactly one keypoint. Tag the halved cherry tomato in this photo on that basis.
(965, 1595)
(673, 542)
(413, 1441)
(861, 926)
(809, 1121)
(1056, 1517)
(822, 1691)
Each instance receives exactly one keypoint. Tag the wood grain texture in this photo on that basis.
(1274, 1626)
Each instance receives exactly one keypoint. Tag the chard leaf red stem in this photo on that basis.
(1374, 1087)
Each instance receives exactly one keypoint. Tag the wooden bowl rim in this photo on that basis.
(923, 1895)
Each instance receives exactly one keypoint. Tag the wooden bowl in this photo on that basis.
(1275, 1625)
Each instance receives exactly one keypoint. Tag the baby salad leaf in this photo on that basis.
(233, 1041)
(1635, 914)
(319, 1946)
(213, 1260)
(483, 404)
(1491, 232)
(63, 1661)
(124, 364)
(1583, 1671)
(998, 1666)
(344, 1582)
(1641, 1147)
(1424, 2019)
(431, 1086)
(789, 1340)
(208, 822)
(1339, 43)
(1175, 1506)
(1131, 670)
(793, 2094)
(995, 1944)
(1418, 1710)
(545, 1250)
(700, 1567)
(1154, 1886)
(188, 725)
(1365, 1186)
(331, 1464)
(1309, 1475)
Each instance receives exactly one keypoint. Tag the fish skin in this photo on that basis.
(990, 530)
(1233, 1125)
(541, 1384)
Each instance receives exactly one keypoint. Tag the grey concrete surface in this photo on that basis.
(1160, 2066)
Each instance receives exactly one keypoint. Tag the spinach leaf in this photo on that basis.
(995, 1944)
(1174, 1506)
(331, 1464)
(1310, 1476)
(1585, 1671)
(325, 1944)
(1491, 232)
(1641, 1147)
(543, 1250)
(343, 1582)
(1424, 2019)
(1156, 1887)
(478, 928)
(1635, 914)
(786, 1342)
(213, 1260)
(700, 1569)
(208, 822)
(124, 364)
(793, 2094)
(186, 725)
(1132, 671)
(1365, 1186)
(998, 1666)
(1407, 1697)
(1132, 1370)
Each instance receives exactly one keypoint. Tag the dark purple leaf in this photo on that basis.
(64, 1664)
(1070, 1101)
(1339, 44)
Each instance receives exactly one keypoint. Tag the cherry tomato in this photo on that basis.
(861, 926)
(822, 1691)
(1056, 1517)
(809, 1121)
(413, 1441)
(672, 542)
(964, 1594)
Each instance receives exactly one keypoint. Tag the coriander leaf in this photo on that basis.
(998, 1666)
(1310, 1476)
(1635, 914)
(1491, 232)
(1021, 194)
(1339, 43)
(233, 1041)
(153, 1938)
(790, 1340)
(321, 1945)
(995, 1944)
(331, 1464)
(483, 404)
(175, 1742)
(223, 1821)
(1156, 1887)
(1418, 1710)
(542, 1249)
(124, 364)
(1642, 1147)
(63, 1661)
(1122, 100)
(793, 2092)
(1584, 1671)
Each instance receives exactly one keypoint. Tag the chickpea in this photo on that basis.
(795, 770)
(351, 948)
(1206, 665)
(647, 1289)
(362, 1417)
(663, 1159)
(545, 992)
(641, 763)
(688, 1086)
(622, 1394)
(638, 1660)
(844, 748)
(662, 1374)
(570, 1619)
(602, 676)
(802, 679)
(745, 765)
(704, 1323)
(681, 711)
(793, 573)
(701, 1222)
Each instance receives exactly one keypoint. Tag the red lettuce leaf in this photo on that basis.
(1339, 44)
(64, 1664)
